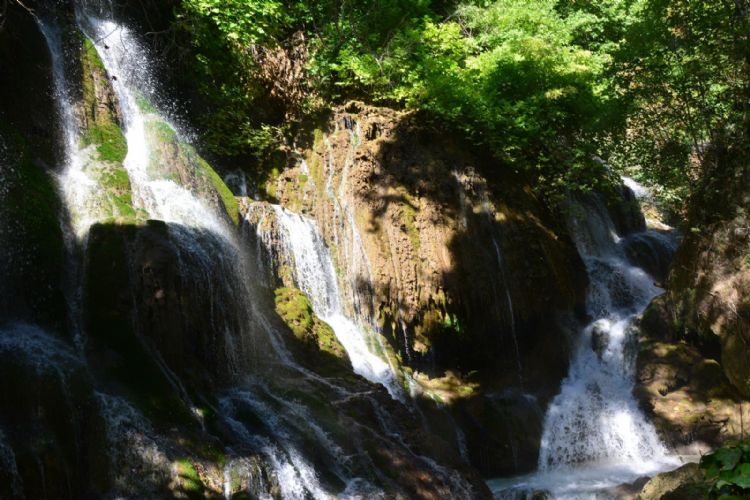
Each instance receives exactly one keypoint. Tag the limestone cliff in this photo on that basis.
(456, 263)
(449, 257)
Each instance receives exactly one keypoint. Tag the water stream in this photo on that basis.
(595, 436)
(314, 274)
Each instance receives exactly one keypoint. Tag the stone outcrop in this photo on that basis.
(684, 389)
(451, 257)
(470, 280)
(694, 360)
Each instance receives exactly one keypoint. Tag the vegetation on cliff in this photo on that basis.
(544, 85)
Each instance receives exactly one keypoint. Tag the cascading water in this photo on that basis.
(163, 199)
(78, 188)
(296, 451)
(315, 275)
(200, 234)
(595, 436)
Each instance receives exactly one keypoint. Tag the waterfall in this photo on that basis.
(315, 275)
(128, 65)
(202, 241)
(595, 436)
(274, 416)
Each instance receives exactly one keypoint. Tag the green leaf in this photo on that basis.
(728, 458)
(742, 476)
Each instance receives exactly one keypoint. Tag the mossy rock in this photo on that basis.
(175, 160)
(295, 309)
(103, 135)
(188, 481)
(109, 140)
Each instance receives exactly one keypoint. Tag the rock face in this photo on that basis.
(694, 362)
(454, 261)
(459, 270)
(686, 394)
(31, 243)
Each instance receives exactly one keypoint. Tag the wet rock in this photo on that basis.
(653, 251)
(626, 211)
(600, 338)
(675, 485)
(48, 426)
(628, 491)
(431, 244)
(31, 241)
(503, 432)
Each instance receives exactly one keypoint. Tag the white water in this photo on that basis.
(128, 65)
(194, 221)
(314, 274)
(595, 437)
(203, 236)
(78, 188)
(194, 228)
(297, 477)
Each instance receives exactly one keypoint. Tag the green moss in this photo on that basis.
(318, 138)
(116, 192)
(227, 197)
(327, 340)
(116, 179)
(270, 185)
(190, 481)
(144, 104)
(160, 132)
(110, 141)
(91, 55)
(295, 309)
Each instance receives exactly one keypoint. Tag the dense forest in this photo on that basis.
(656, 88)
(374, 249)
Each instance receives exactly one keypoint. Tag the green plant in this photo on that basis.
(728, 469)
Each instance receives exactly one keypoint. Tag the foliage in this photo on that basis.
(728, 468)
(650, 85)
(684, 71)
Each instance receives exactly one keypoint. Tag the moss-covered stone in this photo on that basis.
(295, 309)
(682, 483)
(178, 161)
(188, 481)
(227, 197)
(109, 140)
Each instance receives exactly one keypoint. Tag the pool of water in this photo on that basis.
(591, 481)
